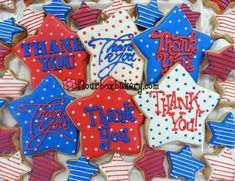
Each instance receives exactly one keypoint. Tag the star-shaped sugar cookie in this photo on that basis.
(219, 6)
(7, 165)
(148, 15)
(8, 4)
(4, 52)
(10, 87)
(224, 26)
(183, 165)
(81, 169)
(118, 5)
(158, 46)
(112, 53)
(220, 166)
(56, 50)
(110, 121)
(222, 131)
(31, 20)
(45, 166)
(58, 9)
(177, 110)
(43, 119)
(227, 91)
(151, 163)
(221, 63)
(86, 16)
(116, 169)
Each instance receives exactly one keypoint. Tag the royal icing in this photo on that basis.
(172, 41)
(148, 15)
(10, 87)
(151, 163)
(58, 9)
(116, 6)
(222, 63)
(9, 4)
(111, 50)
(44, 122)
(225, 26)
(4, 51)
(183, 165)
(56, 50)
(177, 110)
(221, 166)
(220, 6)
(31, 21)
(223, 131)
(228, 91)
(86, 16)
(116, 169)
(192, 16)
(8, 29)
(45, 166)
(81, 169)
(12, 168)
(110, 121)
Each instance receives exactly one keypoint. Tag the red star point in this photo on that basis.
(4, 52)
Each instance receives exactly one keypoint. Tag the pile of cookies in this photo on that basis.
(143, 68)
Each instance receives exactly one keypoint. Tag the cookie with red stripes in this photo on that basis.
(4, 54)
(219, 6)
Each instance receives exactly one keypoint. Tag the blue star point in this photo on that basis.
(2, 103)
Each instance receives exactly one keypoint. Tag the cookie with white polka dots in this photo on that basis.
(170, 42)
(57, 50)
(43, 119)
(111, 50)
(177, 110)
(108, 121)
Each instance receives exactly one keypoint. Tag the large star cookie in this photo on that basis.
(8, 4)
(10, 87)
(148, 15)
(172, 41)
(183, 165)
(81, 169)
(4, 52)
(45, 166)
(219, 6)
(177, 110)
(111, 50)
(220, 166)
(12, 168)
(44, 122)
(225, 27)
(57, 50)
(227, 92)
(117, 168)
(222, 63)
(151, 163)
(118, 5)
(223, 131)
(110, 121)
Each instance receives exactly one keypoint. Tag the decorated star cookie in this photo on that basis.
(111, 50)
(220, 166)
(10, 87)
(45, 166)
(183, 164)
(222, 131)
(4, 52)
(151, 163)
(177, 110)
(2, 103)
(56, 50)
(158, 46)
(58, 9)
(219, 6)
(31, 21)
(225, 27)
(8, 4)
(9, 31)
(116, 6)
(9, 139)
(222, 63)
(86, 16)
(81, 169)
(12, 168)
(44, 122)
(116, 169)
(148, 15)
(227, 92)
(192, 16)
(108, 120)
